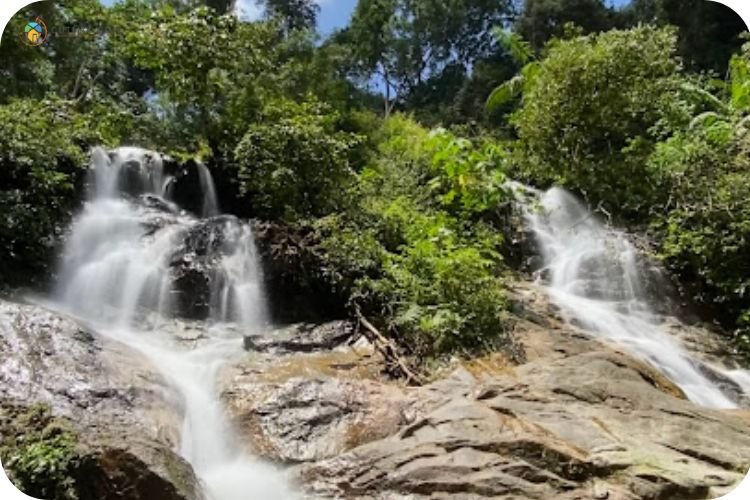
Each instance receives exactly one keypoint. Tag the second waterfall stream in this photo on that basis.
(133, 262)
(593, 276)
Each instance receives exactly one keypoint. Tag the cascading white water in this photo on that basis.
(210, 205)
(119, 274)
(594, 278)
(239, 292)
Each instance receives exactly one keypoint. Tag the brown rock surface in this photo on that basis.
(579, 420)
(304, 394)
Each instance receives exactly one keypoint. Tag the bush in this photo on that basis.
(704, 226)
(42, 155)
(589, 113)
(38, 452)
(705, 235)
(295, 164)
(433, 279)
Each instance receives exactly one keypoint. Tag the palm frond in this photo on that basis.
(704, 96)
(519, 49)
(504, 93)
(705, 120)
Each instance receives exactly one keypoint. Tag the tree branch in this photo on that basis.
(387, 349)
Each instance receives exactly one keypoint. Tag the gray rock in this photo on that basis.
(312, 418)
(196, 267)
(127, 417)
(302, 338)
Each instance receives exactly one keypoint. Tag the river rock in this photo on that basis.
(126, 416)
(302, 338)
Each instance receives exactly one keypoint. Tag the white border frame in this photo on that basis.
(9, 7)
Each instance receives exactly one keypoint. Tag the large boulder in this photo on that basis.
(124, 415)
(579, 419)
(594, 425)
(312, 418)
(305, 393)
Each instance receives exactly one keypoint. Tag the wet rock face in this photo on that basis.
(126, 416)
(160, 205)
(50, 359)
(186, 188)
(195, 267)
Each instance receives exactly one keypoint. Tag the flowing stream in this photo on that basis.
(130, 253)
(134, 261)
(593, 276)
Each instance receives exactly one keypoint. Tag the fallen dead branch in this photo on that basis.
(387, 349)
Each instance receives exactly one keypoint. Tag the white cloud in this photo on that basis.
(248, 10)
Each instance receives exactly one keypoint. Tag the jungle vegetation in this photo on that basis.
(377, 147)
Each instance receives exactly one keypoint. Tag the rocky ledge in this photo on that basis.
(578, 419)
(121, 421)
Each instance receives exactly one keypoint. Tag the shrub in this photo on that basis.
(589, 113)
(295, 164)
(38, 452)
(42, 155)
(704, 226)
(433, 279)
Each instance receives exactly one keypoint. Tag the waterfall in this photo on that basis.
(210, 201)
(133, 262)
(593, 276)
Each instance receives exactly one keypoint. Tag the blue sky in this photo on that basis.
(333, 13)
(336, 13)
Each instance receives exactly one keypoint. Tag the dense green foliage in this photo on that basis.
(707, 30)
(541, 20)
(294, 163)
(704, 171)
(589, 113)
(419, 50)
(42, 146)
(294, 15)
(339, 140)
(415, 249)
